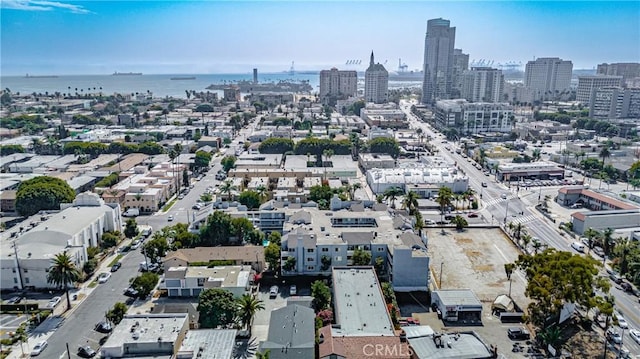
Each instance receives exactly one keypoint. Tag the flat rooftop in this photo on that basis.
(226, 276)
(209, 343)
(359, 305)
(461, 345)
(458, 297)
(149, 327)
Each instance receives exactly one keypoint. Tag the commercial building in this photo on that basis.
(208, 343)
(26, 260)
(388, 116)
(592, 200)
(426, 344)
(190, 281)
(337, 85)
(458, 305)
(628, 70)
(376, 82)
(601, 220)
(291, 333)
(482, 84)
(146, 335)
(615, 102)
(546, 75)
(373, 160)
(438, 60)
(511, 171)
(588, 84)
(424, 179)
(473, 118)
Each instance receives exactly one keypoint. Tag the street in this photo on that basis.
(519, 207)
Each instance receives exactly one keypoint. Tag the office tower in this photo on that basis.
(255, 76)
(588, 84)
(438, 60)
(547, 75)
(627, 70)
(337, 85)
(614, 102)
(482, 84)
(460, 65)
(376, 82)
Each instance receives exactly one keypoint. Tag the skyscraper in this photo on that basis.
(376, 82)
(546, 75)
(438, 60)
(460, 65)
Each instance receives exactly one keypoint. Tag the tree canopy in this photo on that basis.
(555, 278)
(42, 193)
(321, 295)
(144, 283)
(275, 145)
(217, 308)
(384, 145)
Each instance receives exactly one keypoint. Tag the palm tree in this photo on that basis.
(264, 355)
(607, 241)
(248, 305)
(459, 222)
(526, 239)
(508, 269)
(445, 195)
(228, 187)
(419, 223)
(604, 154)
(410, 202)
(591, 234)
(392, 193)
(63, 273)
(262, 192)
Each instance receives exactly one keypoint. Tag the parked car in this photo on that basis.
(615, 277)
(626, 287)
(39, 348)
(14, 300)
(293, 290)
(116, 266)
(598, 251)
(518, 333)
(635, 335)
(86, 352)
(622, 323)
(104, 327)
(53, 302)
(273, 291)
(135, 244)
(131, 292)
(104, 277)
(578, 246)
(614, 336)
(170, 218)
(472, 215)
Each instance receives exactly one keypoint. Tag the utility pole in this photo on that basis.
(15, 251)
(440, 279)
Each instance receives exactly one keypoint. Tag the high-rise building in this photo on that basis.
(482, 84)
(473, 118)
(588, 84)
(614, 102)
(438, 60)
(547, 75)
(255, 76)
(627, 70)
(376, 82)
(460, 65)
(337, 85)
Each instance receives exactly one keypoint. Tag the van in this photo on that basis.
(131, 212)
(578, 246)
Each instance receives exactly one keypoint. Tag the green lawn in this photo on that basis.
(93, 284)
(116, 260)
(169, 205)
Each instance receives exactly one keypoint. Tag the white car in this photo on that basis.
(635, 335)
(135, 244)
(578, 246)
(53, 302)
(170, 218)
(293, 290)
(622, 323)
(104, 277)
(39, 348)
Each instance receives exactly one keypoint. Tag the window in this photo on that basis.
(26, 280)
(200, 282)
(338, 258)
(13, 270)
(15, 280)
(380, 249)
(326, 249)
(311, 268)
(310, 259)
(336, 249)
(26, 270)
(292, 249)
(310, 250)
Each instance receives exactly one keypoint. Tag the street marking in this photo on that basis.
(507, 260)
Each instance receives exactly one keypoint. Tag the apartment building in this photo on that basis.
(190, 281)
(615, 102)
(588, 84)
(473, 118)
(482, 84)
(547, 75)
(376, 82)
(337, 85)
(628, 70)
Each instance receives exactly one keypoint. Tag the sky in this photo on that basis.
(199, 36)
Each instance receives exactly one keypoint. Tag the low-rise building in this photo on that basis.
(291, 333)
(458, 305)
(26, 260)
(240, 255)
(374, 160)
(208, 343)
(424, 179)
(146, 335)
(190, 281)
(512, 171)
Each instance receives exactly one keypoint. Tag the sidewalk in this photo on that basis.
(60, 312)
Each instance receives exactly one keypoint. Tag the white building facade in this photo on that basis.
(473, 118)
(482, 84)
(546, 75)
(588, 84)
(376, 83)
(337, 85)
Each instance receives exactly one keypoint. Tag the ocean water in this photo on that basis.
(159, 85)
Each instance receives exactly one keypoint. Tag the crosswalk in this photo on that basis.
(522, 219)
(493, 201)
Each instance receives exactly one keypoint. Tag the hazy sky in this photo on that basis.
(100, 37)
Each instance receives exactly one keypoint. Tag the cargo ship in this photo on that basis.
(184, 78)
(41, 77)
(127, 73)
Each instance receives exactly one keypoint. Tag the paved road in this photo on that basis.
(519, 208)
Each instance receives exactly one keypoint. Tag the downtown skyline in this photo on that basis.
(165, 37)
